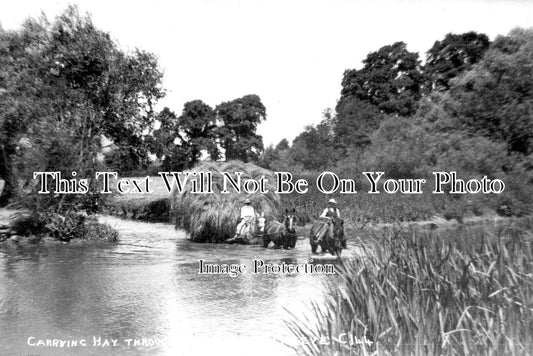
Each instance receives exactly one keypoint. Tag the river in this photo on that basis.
(144, 296)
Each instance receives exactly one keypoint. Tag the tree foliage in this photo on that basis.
(452, 56)
(391, 79)
(198, 126)
(63, 86)
(495, 97)
(238, 125)
(201, 132)
(473, 115)
(355, 121)
(181, 141)
(314, 148)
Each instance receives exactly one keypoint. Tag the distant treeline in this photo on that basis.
(468, 109)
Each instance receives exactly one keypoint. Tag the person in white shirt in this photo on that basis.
(247, 214)
(326, 216)
(331, 210)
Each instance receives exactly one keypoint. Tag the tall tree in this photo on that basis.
(495, 97)
(452, 56)
(63, 86)
(269, 156)
(197, 127)
(391, 79)
(163, 144)
(313, 149)
(238, 121)
(181, 141)
(355, 122)
(283, 145)
(275, 158)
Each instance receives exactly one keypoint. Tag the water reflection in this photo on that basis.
(148, 287)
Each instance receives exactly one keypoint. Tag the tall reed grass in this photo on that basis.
(467, 291)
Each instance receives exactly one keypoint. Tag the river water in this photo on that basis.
(144, 296)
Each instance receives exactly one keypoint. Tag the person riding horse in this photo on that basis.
(247, 214)
(331, 210)
(329, 213)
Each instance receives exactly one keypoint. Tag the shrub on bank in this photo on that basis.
(63, 227)
(463, 291)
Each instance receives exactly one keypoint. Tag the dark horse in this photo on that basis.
(281, 234)
(329, 235)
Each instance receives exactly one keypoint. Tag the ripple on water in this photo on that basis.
(147, 286)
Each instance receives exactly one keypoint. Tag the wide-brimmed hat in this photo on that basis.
(332, 201)
(247, 201)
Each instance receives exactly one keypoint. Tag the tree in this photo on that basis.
(197, 127)
(313, 149)
(355, 122)
(495, 97)
(238, 120)
(63, 86)
(276, 158)
(268, 157)
(452, 56)
(282, 145)
(390, 79)
(182, 141)
(162, 142)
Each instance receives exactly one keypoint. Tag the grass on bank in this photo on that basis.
(153, 206)
(456, 292)
(362, 207)
(358, 208)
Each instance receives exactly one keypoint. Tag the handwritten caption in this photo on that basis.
(94, 341)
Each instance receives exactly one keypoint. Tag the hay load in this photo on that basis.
(214, 217)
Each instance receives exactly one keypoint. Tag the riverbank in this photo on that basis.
(148, 207)
(20, 227)
(7, 216)
(360, 212)
(9, 238)
(360, 209)
(155, 207)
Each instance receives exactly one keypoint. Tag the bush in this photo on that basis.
(32, 224)
(63, 227)
(94, 231)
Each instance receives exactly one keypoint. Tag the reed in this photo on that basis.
(457, 292)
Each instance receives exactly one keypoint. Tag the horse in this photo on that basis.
(281, 234)
(329, 235)
(252, 229)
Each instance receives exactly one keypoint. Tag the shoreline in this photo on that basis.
(8, 237)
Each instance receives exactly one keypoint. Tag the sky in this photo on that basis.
(291, 53)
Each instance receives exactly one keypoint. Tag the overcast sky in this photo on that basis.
(291, 53)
